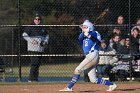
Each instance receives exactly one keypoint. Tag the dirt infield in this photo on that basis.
(79, 88)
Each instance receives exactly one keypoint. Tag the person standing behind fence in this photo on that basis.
(37, 40)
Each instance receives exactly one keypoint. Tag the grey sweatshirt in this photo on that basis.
(37, 47)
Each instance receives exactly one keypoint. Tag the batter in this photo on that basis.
(90, 40)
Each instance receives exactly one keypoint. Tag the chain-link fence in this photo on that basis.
(61, 18)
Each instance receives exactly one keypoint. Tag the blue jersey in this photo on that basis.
(88, 44)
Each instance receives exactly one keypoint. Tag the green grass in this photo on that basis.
(51, 70)
(48, 70)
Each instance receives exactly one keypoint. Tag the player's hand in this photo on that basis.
(86, 33)
(85, 30)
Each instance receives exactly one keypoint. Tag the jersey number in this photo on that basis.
(86, 43)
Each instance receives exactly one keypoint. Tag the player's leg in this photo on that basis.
(94, 79)
(85, 64)
(75, 77)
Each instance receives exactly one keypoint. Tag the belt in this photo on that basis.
(90, 52)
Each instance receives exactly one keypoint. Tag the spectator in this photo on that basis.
(137, 24)
(135, 40)
(116, 31)
(106, 62)
(116, 42)
(121, 68)
(120, 20)
(37, 39)
(125, 49)
(120, 26)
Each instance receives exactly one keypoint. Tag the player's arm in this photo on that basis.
(93, 36)
(81, 37)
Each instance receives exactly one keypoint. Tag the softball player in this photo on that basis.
(90, 40)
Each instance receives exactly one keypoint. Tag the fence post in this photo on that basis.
(131, 56)
(19, 40)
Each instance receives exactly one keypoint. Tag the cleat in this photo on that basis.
(112, 87)
(66, 89)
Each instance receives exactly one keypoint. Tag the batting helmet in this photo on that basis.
(88, 24)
